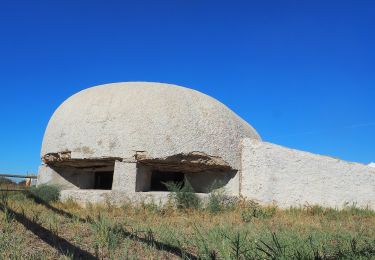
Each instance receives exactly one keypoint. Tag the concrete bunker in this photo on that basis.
(122, 141)
(125, 140)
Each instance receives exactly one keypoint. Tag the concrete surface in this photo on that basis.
(272, 174)
(83, 197)
(47, 175)
(119, 119)
(124, 177)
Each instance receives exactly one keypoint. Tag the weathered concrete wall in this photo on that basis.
(117, 197)
(232, 188)
(203, 182)
(124, 177)
(287, 177)
(47, 175)
(117, 120)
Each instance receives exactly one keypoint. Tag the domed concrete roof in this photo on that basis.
(119, 119)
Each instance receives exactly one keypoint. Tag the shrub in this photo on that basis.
(246, 215)
(314, 210)
(150, 206)
(45, 193)
(216, 199)
(184, 195)
(215, 203)
(254, 210)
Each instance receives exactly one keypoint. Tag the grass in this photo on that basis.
(33, 229)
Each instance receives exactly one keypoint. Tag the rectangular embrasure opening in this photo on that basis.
(153, 178)
(90, 174)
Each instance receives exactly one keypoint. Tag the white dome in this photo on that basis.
(119, 119)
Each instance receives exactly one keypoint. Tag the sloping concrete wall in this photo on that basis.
(68, 177)
(286, 177)
(47, 175)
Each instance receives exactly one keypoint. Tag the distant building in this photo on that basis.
(125, 140)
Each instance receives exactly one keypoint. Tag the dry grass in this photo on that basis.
(32, 230)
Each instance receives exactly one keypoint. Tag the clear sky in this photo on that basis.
(301, 72)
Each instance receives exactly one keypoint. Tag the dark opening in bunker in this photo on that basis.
(103, 180)
(87, 174)
(159, 178)
(198, 170)
(151, 179)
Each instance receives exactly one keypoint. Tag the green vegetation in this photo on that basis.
(183, 195)
(45, 193)
(33, 229)
(253, 210)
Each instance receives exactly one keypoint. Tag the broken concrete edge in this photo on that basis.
(186, 162)
(183, 162)
(51, 158)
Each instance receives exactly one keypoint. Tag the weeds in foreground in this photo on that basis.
(45, 193)
(253, 210)
(154, 231)
(238, 244)
(106, 238)
(205, 250)
(273, 249)
(184, 195)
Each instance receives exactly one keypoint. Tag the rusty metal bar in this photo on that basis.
(18, 176)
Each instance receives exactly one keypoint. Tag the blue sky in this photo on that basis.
(301, 72)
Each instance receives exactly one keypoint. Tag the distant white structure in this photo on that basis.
(125, 140)
(371, 164)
